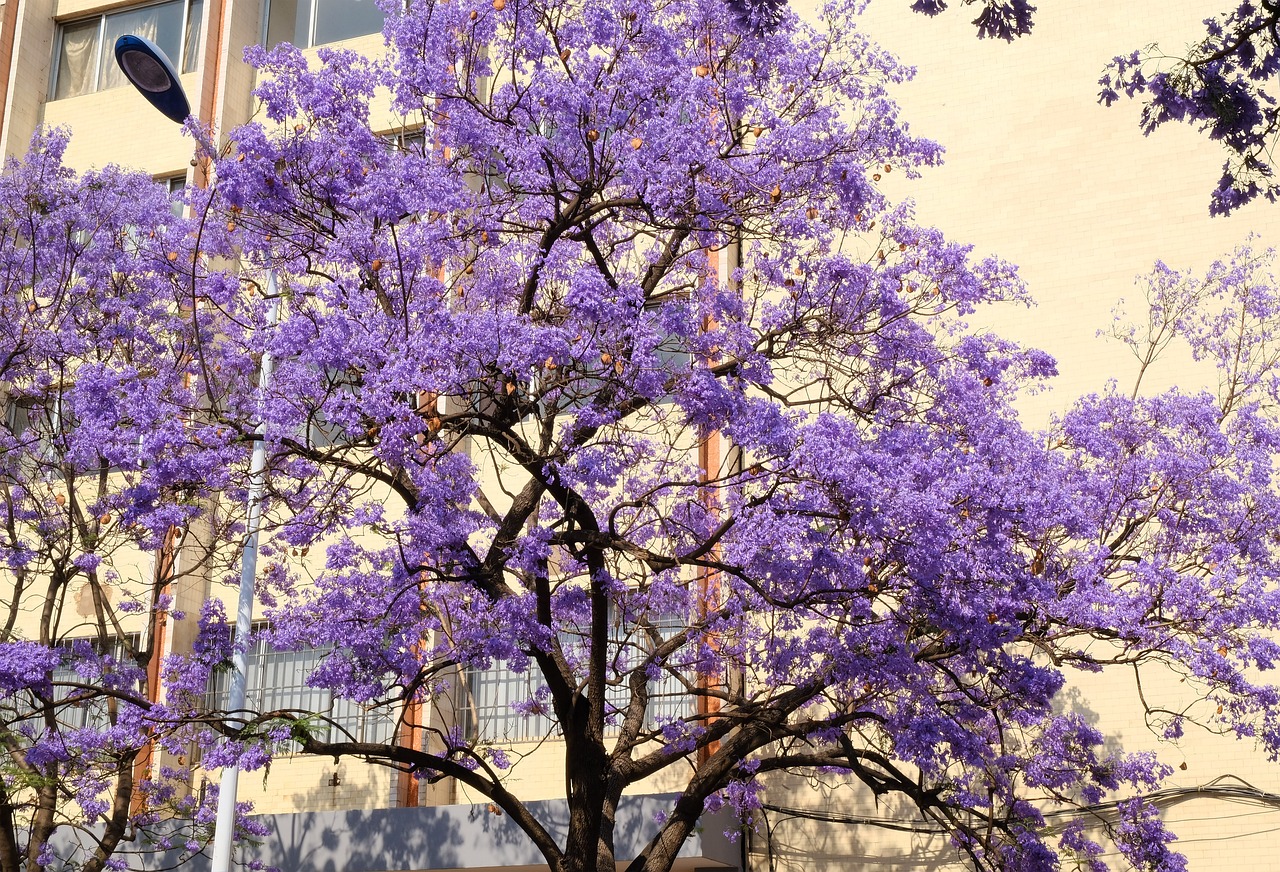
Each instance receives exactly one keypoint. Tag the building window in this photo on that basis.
(324, 421)
(84, 60)
(174, 186)
(278, 682)
(315, 22)
(39, 426)
(409, 141)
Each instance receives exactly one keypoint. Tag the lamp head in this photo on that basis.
(150, 71)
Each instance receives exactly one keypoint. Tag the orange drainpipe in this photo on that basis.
(143, 763)
(709, 460)
(211, 78)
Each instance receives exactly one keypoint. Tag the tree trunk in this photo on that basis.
(10, 858)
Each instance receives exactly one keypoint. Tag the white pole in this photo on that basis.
(224, 825)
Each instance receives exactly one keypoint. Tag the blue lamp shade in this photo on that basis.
(145, 65)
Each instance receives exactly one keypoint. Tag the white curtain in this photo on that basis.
(161, 24)
(191, 39)
(77, 57)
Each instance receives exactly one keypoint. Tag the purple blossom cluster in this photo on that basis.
(1223, 85)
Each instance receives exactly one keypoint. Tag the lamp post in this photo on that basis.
(150, 71)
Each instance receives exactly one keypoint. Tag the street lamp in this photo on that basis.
(150, 71)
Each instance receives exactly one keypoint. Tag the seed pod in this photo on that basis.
(757, 131)
(60, 500)
(636, 142)
(376, 265)
(474, 15)
(499, 5)
(776, 194)
(702, 71)
(593, 135)
(564, 55)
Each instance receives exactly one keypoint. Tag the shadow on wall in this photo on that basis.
(817, 825)
(445, 837)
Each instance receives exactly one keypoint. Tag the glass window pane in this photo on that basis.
(289, 21)
(77, 59)
(191, 39)
(161, 24)
(343, 19)
(174, 186)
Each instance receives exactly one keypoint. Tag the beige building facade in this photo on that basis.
(1036, 172)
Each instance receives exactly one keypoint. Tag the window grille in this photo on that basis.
(513, 706)
(74, 708)
(278, 681)
(91, 712)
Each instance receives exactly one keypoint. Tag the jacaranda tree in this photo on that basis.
(624, 376)
(95, 378)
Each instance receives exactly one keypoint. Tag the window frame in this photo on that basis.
(55, 63)
(311, 28)
(174, 183)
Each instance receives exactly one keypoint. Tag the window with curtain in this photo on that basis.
(85, 55)
(315, 22)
